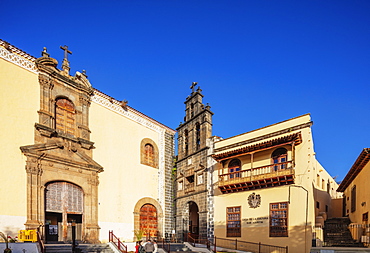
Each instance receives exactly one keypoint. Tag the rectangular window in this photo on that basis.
(318, 180)
(233, 221)
(365, 216)
(279, 219)
(353, 199)
(180, 185)
(323, 184)
(200, 178)
(317, 204)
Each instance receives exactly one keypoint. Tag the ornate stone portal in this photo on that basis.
(62, 152)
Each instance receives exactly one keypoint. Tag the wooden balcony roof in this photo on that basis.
(296, 138)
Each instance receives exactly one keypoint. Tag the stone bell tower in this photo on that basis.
(193, 183)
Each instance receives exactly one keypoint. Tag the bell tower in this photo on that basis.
(193, 176)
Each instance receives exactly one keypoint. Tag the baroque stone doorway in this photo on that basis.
(63, 208)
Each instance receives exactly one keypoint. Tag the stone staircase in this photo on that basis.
(83, 248)
(176, 247)
(337, 234)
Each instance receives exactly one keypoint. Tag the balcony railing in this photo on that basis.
(189, 187)
(264, 176)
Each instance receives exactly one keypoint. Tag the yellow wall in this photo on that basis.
(259, 232)
(19, 102)
(362, 195)
(125, 180)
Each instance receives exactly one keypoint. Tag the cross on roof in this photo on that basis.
(192, 87)
(66, 51)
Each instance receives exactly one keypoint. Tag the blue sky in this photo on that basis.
(257, 62)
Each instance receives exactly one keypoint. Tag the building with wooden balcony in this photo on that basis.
(269, 187)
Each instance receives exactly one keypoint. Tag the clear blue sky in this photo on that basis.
(258, 62)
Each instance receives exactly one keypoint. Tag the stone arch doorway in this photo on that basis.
(64, 203)
(193, 219)
(148, 216)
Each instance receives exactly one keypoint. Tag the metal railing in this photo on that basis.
(259, 247)
(360, 233)
(194, 241)
(114, 239)
(40, 242)
(166, 246)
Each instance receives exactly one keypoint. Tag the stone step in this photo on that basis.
(83, 248)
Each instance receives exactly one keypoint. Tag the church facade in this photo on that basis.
(74, 155)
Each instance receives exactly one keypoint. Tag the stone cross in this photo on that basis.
(192, 87)
(66, 52)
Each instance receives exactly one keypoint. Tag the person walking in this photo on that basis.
(149, 247)
(137, 246)
(155, 246)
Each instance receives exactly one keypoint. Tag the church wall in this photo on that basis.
(125, 180)
(19, 102)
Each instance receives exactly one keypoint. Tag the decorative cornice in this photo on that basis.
(57, 74)
(39, 151)
(130, 113)
(293, 138)
(17, 57)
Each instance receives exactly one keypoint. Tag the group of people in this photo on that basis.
(149, 246)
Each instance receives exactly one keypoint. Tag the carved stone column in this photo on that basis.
(34, 172)
(91, 214)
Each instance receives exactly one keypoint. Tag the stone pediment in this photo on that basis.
(63, 153)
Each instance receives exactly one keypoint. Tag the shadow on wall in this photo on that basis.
(295, 240)
(11, 231)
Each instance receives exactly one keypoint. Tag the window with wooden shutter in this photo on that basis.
(279, 219)
(233, 219)
(65, 116)
(149, 155)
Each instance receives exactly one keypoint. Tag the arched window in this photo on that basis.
(197, 131)
(279, 158)
(186, 142)
(149, 153)
(65, 116)
(234, 168)
(191, 110)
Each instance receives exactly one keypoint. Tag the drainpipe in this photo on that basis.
(305, 228)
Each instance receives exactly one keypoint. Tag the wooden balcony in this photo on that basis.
(257, 178)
